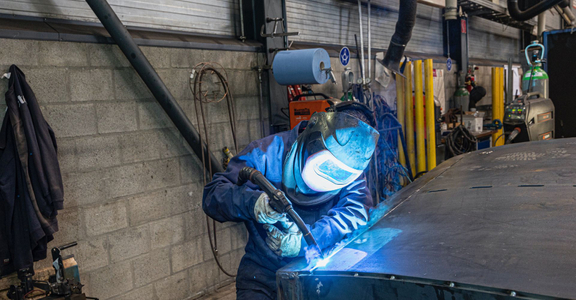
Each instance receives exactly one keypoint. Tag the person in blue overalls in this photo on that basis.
(320, 169)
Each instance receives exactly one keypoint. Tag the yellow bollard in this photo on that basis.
(498, 103)
(409, 132)
(419, 114)
(400, 107)
(430, 118)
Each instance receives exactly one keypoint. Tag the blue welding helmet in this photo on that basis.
(328, 155)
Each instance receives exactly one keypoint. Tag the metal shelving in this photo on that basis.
(494, 12)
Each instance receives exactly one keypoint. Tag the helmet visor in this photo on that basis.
(323, 172)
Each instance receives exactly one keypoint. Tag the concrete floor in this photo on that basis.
(227, 292)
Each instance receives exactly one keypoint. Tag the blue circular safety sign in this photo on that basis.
(449, 64)
(345, 56)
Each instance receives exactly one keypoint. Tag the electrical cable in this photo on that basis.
(494, 144)
(30, 292)
(460, 141)
(200, 98)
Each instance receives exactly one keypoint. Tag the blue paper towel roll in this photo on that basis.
(301, 66)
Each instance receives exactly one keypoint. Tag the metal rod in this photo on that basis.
(369, 45)
(409, 117)
(143, 67)
(541, 25)
(430, 118)
(242, 35)
(419, 115)
(361, 43)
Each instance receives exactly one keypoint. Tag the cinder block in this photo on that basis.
(98, 152)
(92, 253)
(102, 55)
(49, 85)
(158, 57)
(174, 287)
(129, 85)
(110, 281)
(116, 117)
(129, 242)
(248, 108)
(212, 273)
(225, 58)
(137, 178)
(71, 120)
(70, 228)
(152, 116)
(243, 60)
(66, 153)
(142, 293)
(224, 241)
(218, 112)
(167, 231)
(186, 255)
(226, 263)
(220, 136)
(84, 188)
(195, 223)
(190, 169)
(105, 218)
(63, 54)
(164, 203)
(185, 58)
(91, 84)
(177, 81)
(171, 143)
(202, 276)
(19, 52)
(140, 146)
(151, 267)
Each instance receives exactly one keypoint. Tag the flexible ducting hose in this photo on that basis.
(402, 35)
(533, 11)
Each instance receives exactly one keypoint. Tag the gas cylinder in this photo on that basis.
(462, 98)
(535, 79)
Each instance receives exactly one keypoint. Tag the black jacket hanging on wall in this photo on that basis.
(31, 190)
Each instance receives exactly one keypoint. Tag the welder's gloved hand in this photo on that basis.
(264, 212)
(285, 242)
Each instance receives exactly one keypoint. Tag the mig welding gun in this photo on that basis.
(279, 202)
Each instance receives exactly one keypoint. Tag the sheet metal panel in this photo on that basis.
(499, 219)
(216, 17)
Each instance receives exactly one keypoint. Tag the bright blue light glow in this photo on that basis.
(322, 263)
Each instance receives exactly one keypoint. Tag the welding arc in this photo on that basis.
(201, 71)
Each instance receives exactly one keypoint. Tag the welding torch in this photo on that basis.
(278, 201)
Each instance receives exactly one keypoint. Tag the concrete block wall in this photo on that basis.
(133, 187)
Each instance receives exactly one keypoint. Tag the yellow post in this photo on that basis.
(497, 104)
(502, 139)
(419, 114)
(409, 132)
(430, 118)
(400, 107)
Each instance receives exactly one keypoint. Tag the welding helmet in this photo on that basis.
(328, 155)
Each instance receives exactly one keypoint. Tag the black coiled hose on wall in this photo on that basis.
(402, 35)
(533, 11)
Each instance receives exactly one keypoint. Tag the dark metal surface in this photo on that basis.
(493, 223)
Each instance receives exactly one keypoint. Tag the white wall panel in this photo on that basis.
(201, 16)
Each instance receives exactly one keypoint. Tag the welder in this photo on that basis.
(319, 165)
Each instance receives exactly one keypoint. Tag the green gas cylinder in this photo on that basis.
(535, 79)
(462, 98)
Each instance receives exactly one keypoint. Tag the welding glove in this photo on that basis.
(286, 242)
(264, 212)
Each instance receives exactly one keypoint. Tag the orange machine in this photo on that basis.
(303, 110)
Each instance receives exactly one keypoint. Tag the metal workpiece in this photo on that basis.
(495, 224)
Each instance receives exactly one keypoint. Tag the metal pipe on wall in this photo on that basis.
(541, 25)
(361, 43)
(409, 117)
(120, 34)
(430, 117)
(419, 115)
(369, 45)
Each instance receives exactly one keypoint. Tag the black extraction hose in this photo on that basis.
(402, 35)
(531, 12)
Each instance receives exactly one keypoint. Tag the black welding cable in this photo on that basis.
(460, 141)
(200, 98)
